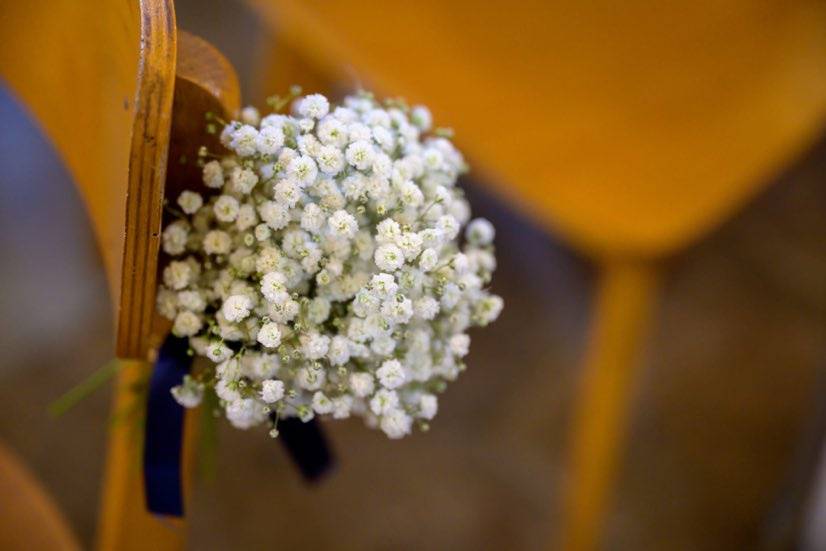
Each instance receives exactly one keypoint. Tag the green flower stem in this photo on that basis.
(208, 441)
(85, 388)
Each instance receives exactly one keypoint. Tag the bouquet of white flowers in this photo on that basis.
(324, 272)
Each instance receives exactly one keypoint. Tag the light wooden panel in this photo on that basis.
(147, 174)
(99, 78)
(204, 81)
(629, 127)
(29, 519)
(74, 66)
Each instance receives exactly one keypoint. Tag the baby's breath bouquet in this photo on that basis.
(324, 269)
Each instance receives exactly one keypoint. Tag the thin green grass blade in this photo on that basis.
(85, 388)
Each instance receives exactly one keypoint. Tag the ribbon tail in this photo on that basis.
(163, 439)
(307, 446)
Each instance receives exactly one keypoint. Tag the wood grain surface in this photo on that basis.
(631, 131)
(204, 82)
(74, 66)
(30, 518)
(627, 128)
(147, 174)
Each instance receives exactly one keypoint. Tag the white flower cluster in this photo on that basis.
(321, 272)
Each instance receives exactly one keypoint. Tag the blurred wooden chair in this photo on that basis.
(119, 92)
(629, 129)
(30, 518)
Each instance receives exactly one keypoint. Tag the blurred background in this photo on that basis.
(725, 446)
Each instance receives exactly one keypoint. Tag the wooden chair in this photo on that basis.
(120, 93)
(630, 130)
(30, 518)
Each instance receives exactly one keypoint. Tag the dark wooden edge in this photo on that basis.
(181, 78)
(147, 174)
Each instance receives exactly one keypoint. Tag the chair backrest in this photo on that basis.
(81, 70)
(204, 81)
(119, 92)
(98, 77)
(631, 128)
(30, 519)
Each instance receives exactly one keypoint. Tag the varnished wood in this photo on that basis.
(122, 515)
(202, 66)
(74, 67)
(29, 519)
(99, 79)
(147, 174)
(205, 81)
(284, 65)
(625, 299)
(632, 130)
(77, 67)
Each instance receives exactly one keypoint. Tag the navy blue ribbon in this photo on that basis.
(305, 442)
(164, 430)
(307, 447)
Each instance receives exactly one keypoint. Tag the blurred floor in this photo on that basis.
(729, 391)
(734, 376)
(482, 477)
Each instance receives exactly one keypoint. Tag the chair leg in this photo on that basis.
(626, 295)
(125, 524)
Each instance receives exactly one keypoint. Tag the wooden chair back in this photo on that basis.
(29, 518)
(629, 129)
(120, 93)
